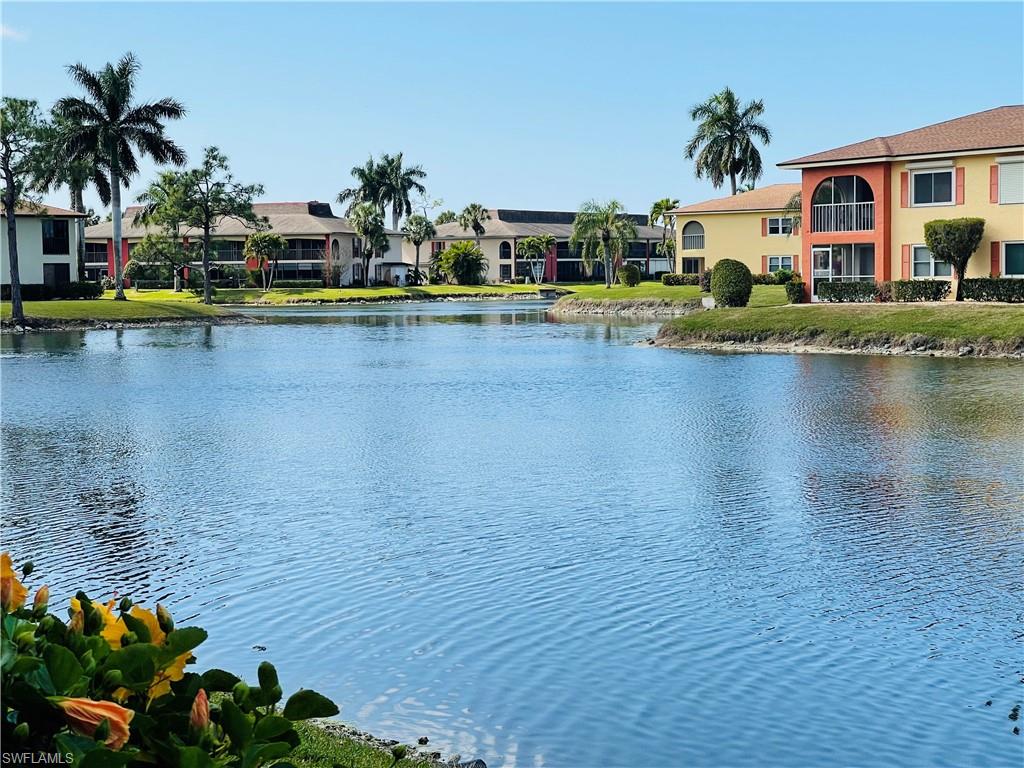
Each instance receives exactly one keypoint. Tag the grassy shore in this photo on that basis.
(319, 748)
(987, 328)
(762, 296)
(340, 295)
(108, 310)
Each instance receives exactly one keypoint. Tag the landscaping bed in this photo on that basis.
(941, 328)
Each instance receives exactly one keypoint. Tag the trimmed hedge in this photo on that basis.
(705, 281)
(993, 289)
(852, 291)
(731, 283)
(41, 292)
(300, 284)
(764, 278)
(795, 292)
(919, 290)
(675, 278)
(629, 275)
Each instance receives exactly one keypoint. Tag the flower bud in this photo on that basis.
(77, 623)
(26, 639)
(129, 638)
(21, 731)
(163, 619)
(239, 692)
(125, 605)
(199, 717)
(27, 568)
(112, 678)
(41, 600)
(267, 675)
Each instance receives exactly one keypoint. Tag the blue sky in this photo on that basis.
(522, 105)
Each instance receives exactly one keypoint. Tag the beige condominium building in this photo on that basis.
(47, 246)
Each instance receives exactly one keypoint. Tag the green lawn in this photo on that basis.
(106, 309)
(762, 296)
(319, 749)
(834, 322)
(293, 295)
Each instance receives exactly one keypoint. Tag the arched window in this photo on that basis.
(693, 236)
(505, 250)
(843, 204)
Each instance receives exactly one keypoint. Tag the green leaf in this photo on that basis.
(235, 723)
(106, 758)
(63, 667)
(138, 627)
(258, 753)
(305, 704)
(8, 653)
(193, 757)
(271, 727)
(136, 662)
(182, 641)
(218, 680)
(24, 664)
(74, 745)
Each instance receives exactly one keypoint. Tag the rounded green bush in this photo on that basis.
(629, 275)
(731, 283)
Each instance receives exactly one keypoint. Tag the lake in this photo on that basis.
(540, 543)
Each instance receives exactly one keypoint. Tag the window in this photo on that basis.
(932, 187)
(692, 266)
(506, 271)
(1013, 259)
(693, 236)
(96, 253)
(1011, 182)
(925, 266)
(775, 263)
(782, 225)
(505, 250)
(55, 237)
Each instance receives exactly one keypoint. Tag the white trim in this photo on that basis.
(931, 266)
(952, 188)
(897, 158)
(1002, 259)
(930, 164)
(1010, 159)
(791, 257)
(779, 219)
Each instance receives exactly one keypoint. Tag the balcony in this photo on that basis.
(303, 254)
(843, 217)
(693, 242)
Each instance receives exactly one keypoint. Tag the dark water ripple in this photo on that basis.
(541, 545)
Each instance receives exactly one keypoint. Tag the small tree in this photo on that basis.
(418, 229)
(446, 217)
(368, 222)
(954, 241)
(161, 249)
(23, 135)
(464, 262)
(265, 248)
(605, 229)
(473, 217)
(533, 250)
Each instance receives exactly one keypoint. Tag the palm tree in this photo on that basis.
(605, 226)
(108, 124)
(368, 187)
(367, 221)
(660, 213)
(473, 217)
(446, 217)
(76, 174)
(396, 183)
(795, 210)
(723, 144)
(533, 249)
(418, 229)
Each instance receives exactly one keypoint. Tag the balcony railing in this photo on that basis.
(693, 242)
(303, 254)
(843, 217)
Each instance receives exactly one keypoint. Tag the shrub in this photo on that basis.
(852, 291)
(919, 290)
(731, 283)
(298, 284)
(42, 292)
(463, 262)
(795, 291)
(29, 292)
(629, 275)
(108, 283)
(705, 281)
(783, 276)
(199, 290)
(675, 278)
(884, 291)
(954, 241)
(108, 687)
(993, 289)
(661, 274)
(764, 278)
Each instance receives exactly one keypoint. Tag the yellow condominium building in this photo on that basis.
(753, 227)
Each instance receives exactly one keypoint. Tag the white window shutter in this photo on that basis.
(1011, 183)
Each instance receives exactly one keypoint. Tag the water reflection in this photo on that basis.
(538, 542)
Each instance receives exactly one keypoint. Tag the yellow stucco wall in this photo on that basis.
(1002, 222)
(736, 236)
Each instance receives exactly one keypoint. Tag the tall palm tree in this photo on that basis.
(396, 183)
(660, 213)
(473, 217)
(108, 124)
(76, 174)
(446, 217)
(367, 189)
(418, 229)
(606, 227)
(795, 210)
(367, 221)
(723, 144)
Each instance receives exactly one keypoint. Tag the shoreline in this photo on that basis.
(570, 305)
(44, 325)
(420, 753)
(862, 347)
(451, 297)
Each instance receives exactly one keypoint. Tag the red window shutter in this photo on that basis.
(995, 271)
(764, 226)
(959, 186)
(993, 183)
(906, 262)
(904, 190)
(764, 265)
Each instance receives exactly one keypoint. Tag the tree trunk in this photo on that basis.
(78, 206)
(17, 309)
(960, 283)
(115, 211)
(394, 220)
(207, 283)
(417, 263)
(607, 265)
(732, 179)
(273, 273)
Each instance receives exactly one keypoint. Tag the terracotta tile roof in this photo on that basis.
(771, 198)
(999, 128)
(23, 209)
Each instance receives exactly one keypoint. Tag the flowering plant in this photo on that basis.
(108, 687)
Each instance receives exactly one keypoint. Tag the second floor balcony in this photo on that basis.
(693, 242)
(843, 217)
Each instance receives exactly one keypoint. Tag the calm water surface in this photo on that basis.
(540, 544)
